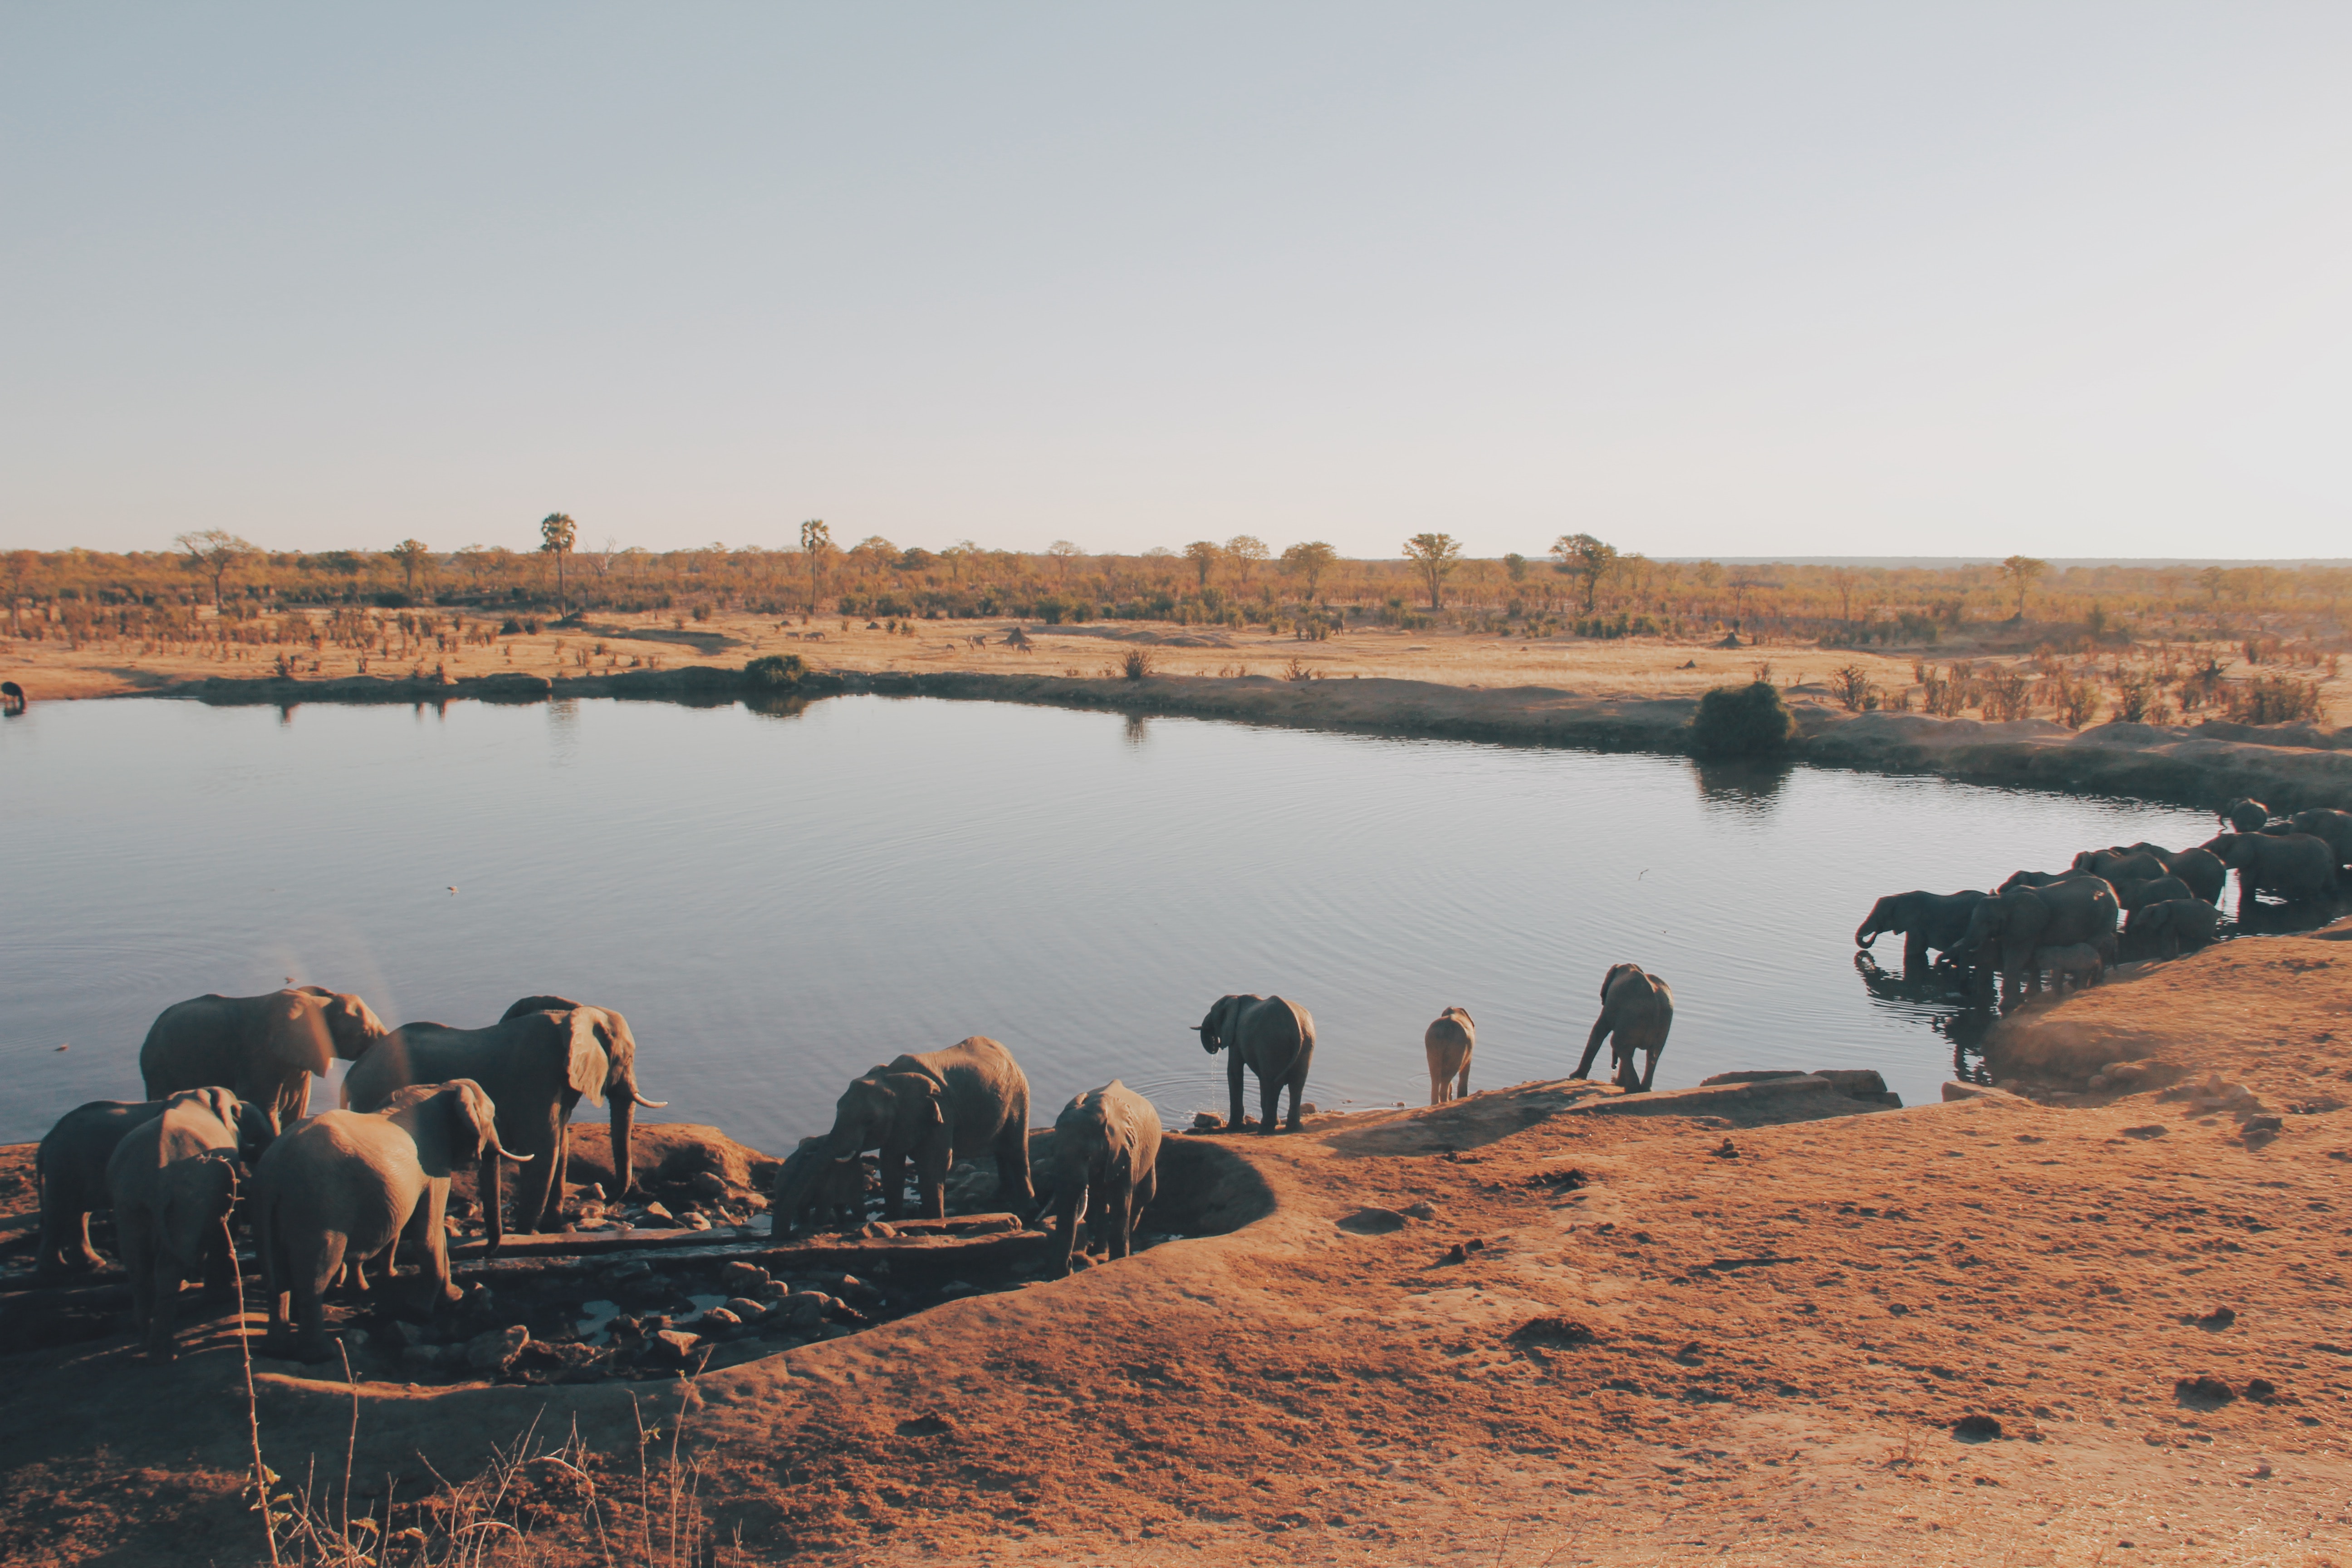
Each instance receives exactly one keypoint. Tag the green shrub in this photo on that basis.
(1742, 721)
(776, 671)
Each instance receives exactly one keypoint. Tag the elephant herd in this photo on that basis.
(223, 1133)
(2138, 900)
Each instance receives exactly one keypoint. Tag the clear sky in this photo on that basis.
(1733, 278)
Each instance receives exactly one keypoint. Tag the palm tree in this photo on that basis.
(558, 533)
(815, 539)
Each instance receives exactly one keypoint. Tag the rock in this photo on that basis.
(2260, 1389)
(1308, 1109)
(403, 1334)
(496, 1351)
(696, 1222)
(1373, 1222)
(594, 1193)
(718, 1321)
(742, 1278)
(672, 1348)
(424, 1358)
(478, 1303)
(2205, 1392)
(773, 1292)
(708, 1185)
(1978, 1091)
(2262, 1129)
(2149, 1131)
(660, 1211)
(745, 1309)
(635, 1269)
(2219, 1318)
(355, 1339)
(1207, 1121)
(1977, 1428)
(1421, 1210)
(803, 1309)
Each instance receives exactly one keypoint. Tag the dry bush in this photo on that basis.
(1136, 665)
(2007, 694)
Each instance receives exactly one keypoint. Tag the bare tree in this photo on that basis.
(1309, 560)
(215, 552)
(1248, 551)
(1842, 581)
(1064, 553)
(557, 534)
(1582, 555)
(1433, 555)
(2020, 571)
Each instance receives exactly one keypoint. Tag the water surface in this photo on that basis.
(778, 901)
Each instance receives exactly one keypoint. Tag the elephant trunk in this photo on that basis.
(494, 1219)
(624, 1114)
(1865, 934)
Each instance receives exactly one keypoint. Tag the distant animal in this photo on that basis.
(2076, 961)
(12, 696)
(1637, 1011)
(263, 1048)
(1104, 1160)
(2245, 816)
(69, 1167)
(1927, 921)
(2171, 928)
(1449, 1041)
(819, 1188)
(172, 1180)
(930, 1108)
(1265, 1036)
(344, 1186)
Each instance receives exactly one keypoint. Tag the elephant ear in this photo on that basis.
(1614, 971)
(297, 1033)
(915, 1098)
(352, 1025)
(197, 1191)
(473, 1121)
(586, 1062)
(223, 1104)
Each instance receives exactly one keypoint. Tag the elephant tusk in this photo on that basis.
(649, 1104)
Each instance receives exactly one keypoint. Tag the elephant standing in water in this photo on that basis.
(344, 1186)
(2205, 874)
(1637, 1010)
(265, 1049)
(1448, 1043)
(534, 1064)
(930, 1108)
(1104, 1161)
(172, 1180)
(1927, 921)
(2015, 922)
(2168, 930)
(2295, 866)
(2245, 816)
(1266, 1035)
(2331, 827)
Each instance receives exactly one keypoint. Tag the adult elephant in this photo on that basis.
(1927, 921)
(265, 1049)
(69, 1167)
(535, 1064)
(2295, 866)
(1104, 1160)
(2132, 895)
(930, 1108)
(1637, 1010)
(1265, 1036)
(2170, 928)
(171, 1180)
(345, 1186)
(1448, 1042)
(2012, 923)
(2243, 815)
(2122, 865)
(2324, 823)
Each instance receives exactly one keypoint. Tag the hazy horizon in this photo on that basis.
(1846, 281)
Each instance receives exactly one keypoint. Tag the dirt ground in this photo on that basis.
(1730, 1343)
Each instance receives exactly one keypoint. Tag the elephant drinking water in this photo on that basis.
(1637, 1011)
(1927, 921)
(1104, 1160)
(2015, 923)
(931, 1108)
(1269, 1036)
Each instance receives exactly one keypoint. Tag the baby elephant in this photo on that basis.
(1637, 1011)
(2175, 926)
(2078, 962)
(1105, 1160)
(346, 1186)
(172, 1179)
(1449, 1042)
(818, 1187)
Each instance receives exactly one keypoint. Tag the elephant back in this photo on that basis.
(986, 1091)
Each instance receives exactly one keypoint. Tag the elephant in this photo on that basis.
(2058, 914)
(264, 1049)
(70, 1168)
(2119, 865)
(172, 1180)
(1266, 1035)
(2201, 869)
(1637, 1010)
(1448, 1041)
(2323, 823)
(1925, 920)
(1103, 1160)
(818, 1188)
(2245, 816)
(2295, 866)
(2130, 895)
(2079, 962)
(535, 1063)
(930, 1108)
(2041, 880)
(2172, 927)
(12, 696)
(347, 1185)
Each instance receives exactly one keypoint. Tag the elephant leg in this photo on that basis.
(1233, 1085)
(1122, 1216)
(1436, 1084)
(310, 1293)
(1014, 1189)
(162, 1296)
(931, 1164)
(1461, 1085)
(536, 1189)
(1067, 1204)
(1915, 952)
(894, 1183)
(438, 1286)
(1650, 1071)
(1600, 1030)
(1297, 1094)
(1269, 1101)
(558, 1170)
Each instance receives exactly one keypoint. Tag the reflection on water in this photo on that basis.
(781, 897)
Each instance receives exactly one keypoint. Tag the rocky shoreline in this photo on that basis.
(2291, 767)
